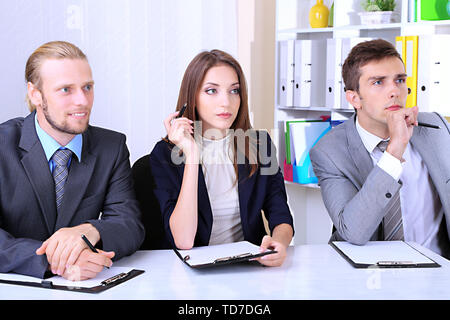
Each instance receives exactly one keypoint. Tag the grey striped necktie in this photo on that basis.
(60, 173)
(392, 222)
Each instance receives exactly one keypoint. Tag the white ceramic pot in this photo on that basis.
(376, 17)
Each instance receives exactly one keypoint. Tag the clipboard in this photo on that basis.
(103, 286)
(219, 255)
(383, 254)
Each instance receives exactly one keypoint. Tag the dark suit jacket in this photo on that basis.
(98, 185)
(259, 192)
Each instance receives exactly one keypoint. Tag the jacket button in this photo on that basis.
(388, 195)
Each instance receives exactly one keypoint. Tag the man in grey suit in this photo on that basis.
(374, 192)
(61, 178)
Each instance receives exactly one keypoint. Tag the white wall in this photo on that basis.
(138, 51)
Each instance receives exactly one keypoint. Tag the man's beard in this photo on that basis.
(62, 128)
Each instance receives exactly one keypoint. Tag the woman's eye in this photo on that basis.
(65, 90)
(235, 91)
(210, 91)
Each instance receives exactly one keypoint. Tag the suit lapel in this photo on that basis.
(427, 148)
(419, 141)
(358, 152)
(80, 174)
(37, 169)
(203, 202)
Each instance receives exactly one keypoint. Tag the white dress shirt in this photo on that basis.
(422, 211)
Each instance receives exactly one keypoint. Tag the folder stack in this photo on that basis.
(300, 136)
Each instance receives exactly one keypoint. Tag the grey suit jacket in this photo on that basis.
(100, 184)
(355, 192)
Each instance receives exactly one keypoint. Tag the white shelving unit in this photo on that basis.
(311, 219)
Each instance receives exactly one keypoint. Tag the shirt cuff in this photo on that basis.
(391, 165)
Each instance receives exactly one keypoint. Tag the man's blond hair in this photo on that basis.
(49, 50)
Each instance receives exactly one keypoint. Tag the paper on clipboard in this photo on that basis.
(105, 280)
(57, 280)
(383, 254)
(222, 253)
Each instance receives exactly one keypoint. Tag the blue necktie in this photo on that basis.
(60, 173)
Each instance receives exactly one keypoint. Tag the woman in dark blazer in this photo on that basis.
(213, 172)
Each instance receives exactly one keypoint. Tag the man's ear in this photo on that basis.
(34, 94)
(353, 98)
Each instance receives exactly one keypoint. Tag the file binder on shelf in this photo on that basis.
(407, 46)
(346, 47)
(309, 73)
(432, 81)
(286, 73)
(337, 51)
(333, 73)
(411, 67)
(302, 73)
(383, 254)
(219, 255)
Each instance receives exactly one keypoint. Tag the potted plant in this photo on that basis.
(377, 11)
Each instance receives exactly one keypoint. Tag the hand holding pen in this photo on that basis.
(427, 125)
(180, 132)
(92, 248)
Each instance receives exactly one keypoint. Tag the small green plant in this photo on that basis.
(378, 5)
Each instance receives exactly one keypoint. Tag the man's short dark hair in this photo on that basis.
(362, 54)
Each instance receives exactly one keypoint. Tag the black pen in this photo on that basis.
(183, 108)
(427, 125)
(89, 244)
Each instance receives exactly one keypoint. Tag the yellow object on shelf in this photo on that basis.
(318, 15)
(407, 46)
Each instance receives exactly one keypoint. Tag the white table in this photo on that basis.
(309, 272)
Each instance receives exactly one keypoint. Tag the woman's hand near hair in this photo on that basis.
(179, 132)
(183, 221)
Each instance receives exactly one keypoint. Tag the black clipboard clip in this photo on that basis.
(231, 258)
(221, 254)
(224, 260)
(387, 263)
(396, 264)
(114, 279)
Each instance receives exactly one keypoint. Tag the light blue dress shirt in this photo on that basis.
(50, 145)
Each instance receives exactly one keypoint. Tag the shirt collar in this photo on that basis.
(50, 145)
(369, 140)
